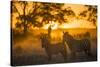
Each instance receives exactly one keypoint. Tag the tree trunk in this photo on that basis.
(25, 22)
(49, 30)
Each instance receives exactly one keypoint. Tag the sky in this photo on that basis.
(77, 8)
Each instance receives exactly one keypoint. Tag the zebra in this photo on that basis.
(77, 45)
(53, 49)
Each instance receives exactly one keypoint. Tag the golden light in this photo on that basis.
(77, 24)
(54, 25)
(73, 24)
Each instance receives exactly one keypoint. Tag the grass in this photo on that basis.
(27, 50)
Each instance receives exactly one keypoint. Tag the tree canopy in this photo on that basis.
(38, 14)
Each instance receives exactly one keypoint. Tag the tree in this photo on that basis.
(40, 13)
(51, 12)
(90, 13)
(25, 18)
(54, 12)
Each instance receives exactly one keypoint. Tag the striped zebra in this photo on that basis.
(77, 45)
(53, 48)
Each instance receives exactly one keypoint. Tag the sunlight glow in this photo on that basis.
(73, 24)
(77, 24)
(54, 25)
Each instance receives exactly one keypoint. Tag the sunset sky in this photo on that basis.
(73, 23)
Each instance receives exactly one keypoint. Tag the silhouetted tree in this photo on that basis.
(40, 13)
(51, 12)
(25, 17)
(90, 13)
(54, 12)
(70, 12)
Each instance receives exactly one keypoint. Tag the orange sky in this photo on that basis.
(72, 24)
(77, 8)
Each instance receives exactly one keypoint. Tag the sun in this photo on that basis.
(54, 25)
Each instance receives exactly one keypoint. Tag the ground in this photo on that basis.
(27, 50)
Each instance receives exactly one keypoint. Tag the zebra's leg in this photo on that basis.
(73, 54)
(49, 56)
(88, 50)
(87, 47)
(64, 54)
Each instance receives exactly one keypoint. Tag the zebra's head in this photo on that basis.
(66, 36)
(44, 40)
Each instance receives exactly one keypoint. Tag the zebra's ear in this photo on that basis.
(63, 32)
